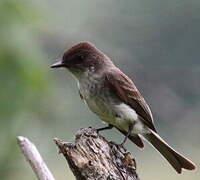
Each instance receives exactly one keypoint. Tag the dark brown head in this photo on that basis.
(81, 58)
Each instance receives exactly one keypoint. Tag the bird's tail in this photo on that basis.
(174, 158)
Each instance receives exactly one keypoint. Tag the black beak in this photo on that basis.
(57, 64)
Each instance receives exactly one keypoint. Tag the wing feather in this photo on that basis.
(125, 89)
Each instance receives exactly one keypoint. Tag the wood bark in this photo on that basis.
(92, 157)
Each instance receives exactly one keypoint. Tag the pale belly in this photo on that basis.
(119, 115)
(108, 107)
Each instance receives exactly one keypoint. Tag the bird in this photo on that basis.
(115, 99)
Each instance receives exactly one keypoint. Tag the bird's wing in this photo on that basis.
(125, 89)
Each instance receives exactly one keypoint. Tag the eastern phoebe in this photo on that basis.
(111, 95)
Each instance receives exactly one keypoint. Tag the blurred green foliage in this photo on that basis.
(22, 74)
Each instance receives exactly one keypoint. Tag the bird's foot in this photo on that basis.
(120, 147)
(104, 128)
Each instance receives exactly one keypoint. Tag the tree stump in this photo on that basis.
(92, 157)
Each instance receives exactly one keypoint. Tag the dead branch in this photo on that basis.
(92, 157)
(34, 158)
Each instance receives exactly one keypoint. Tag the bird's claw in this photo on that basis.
(120, 147)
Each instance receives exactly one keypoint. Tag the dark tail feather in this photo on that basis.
(174, 158)
(137, 140)
(134, 138)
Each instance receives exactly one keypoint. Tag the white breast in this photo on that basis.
(119, 115)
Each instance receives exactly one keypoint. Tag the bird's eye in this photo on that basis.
(78, 59)
(81, 57)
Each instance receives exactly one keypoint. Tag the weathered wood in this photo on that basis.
(34, 158)
(92, 157)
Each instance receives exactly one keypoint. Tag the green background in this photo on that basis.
(157, 43)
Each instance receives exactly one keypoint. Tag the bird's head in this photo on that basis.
(81, 58)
